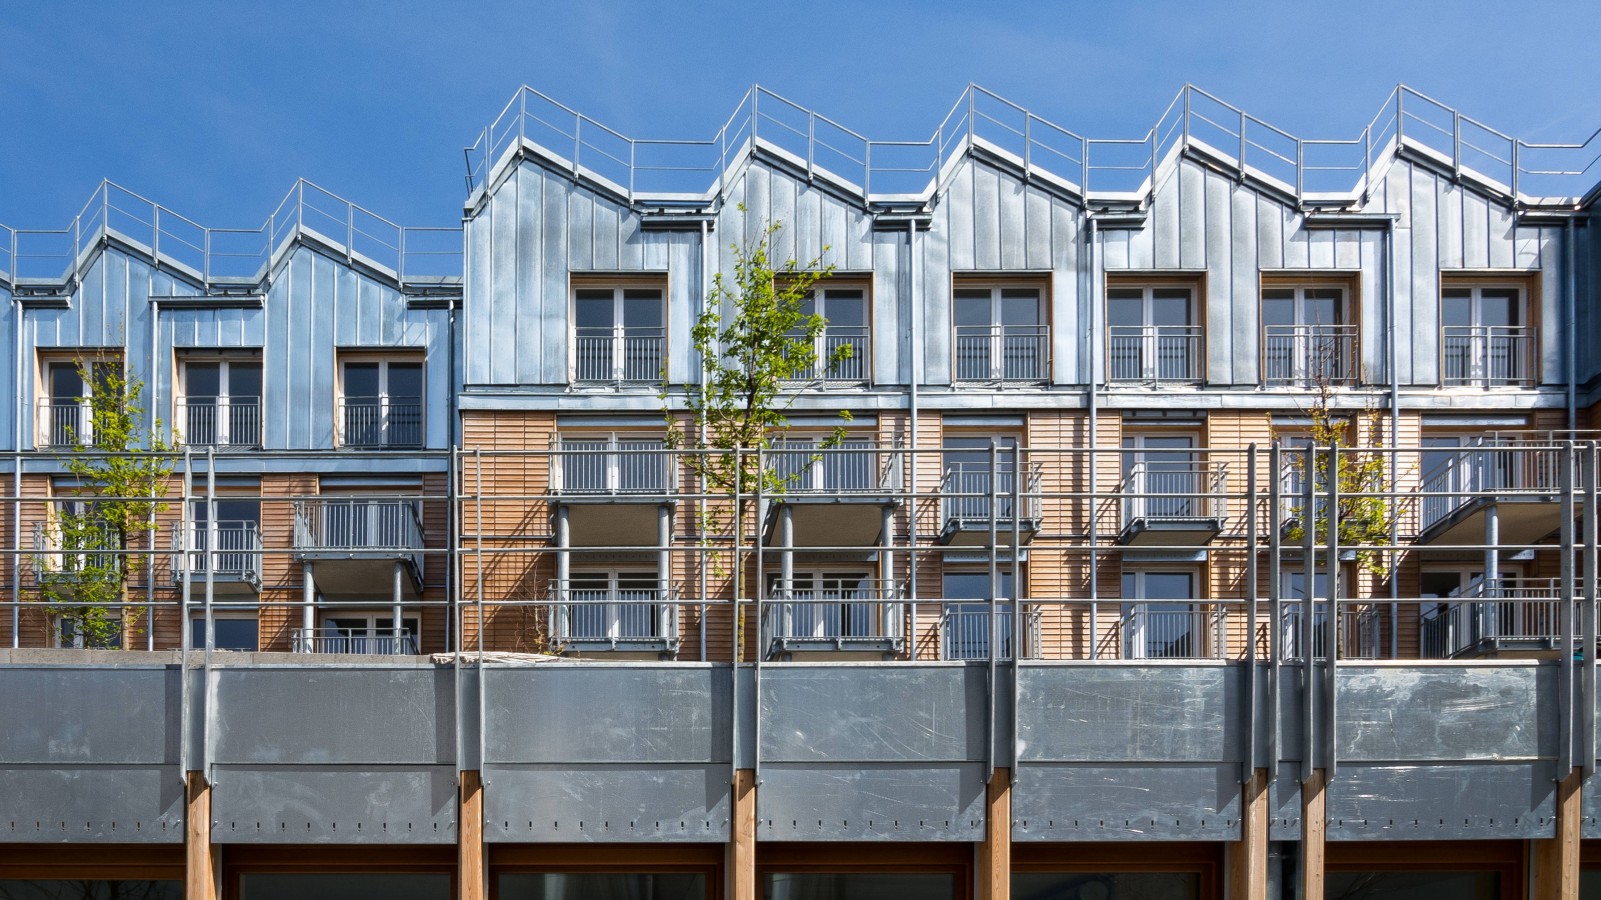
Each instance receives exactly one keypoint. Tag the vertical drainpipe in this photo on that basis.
(1094, 400)
(155, 405)
(914, 335)
(1387, 242)
(1570, 321)
(16, 470)
(700, 482)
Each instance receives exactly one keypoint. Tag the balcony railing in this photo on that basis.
(377, 424)
(236, 558)
(88, 553)
(66, 423)
(619, 355)
(964, 629)
(1359, 635)
(1174, 491)
(1020, 353)
(1496, 466)
(1155, 353)
(220, 421)
(854, 368)
(840, 620)
(1487, 614)
(852, 467)
(628, 616)
(1308, 355)
(369, 527)
(1158, 630)
(331, 639)
(1487, 356)
(613, 466)
(973, 493)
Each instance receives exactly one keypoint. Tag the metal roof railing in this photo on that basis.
(224, 256)
(896, 172)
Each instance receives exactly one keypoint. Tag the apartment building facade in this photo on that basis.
(1214, 516)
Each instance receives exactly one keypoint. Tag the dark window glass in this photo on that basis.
(1106, 885)
(343, 886)
(1412, 885)
(231, 634)
(603, 886)
(89, 889)
(858, 886)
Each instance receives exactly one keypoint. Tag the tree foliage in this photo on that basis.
(1365, 513)
(121, 470)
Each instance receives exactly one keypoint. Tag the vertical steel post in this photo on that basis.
(1570, 597)
(990, 609)
(1587, 694)
(1331, 621)
(1018, 593)
(1304, 628)
(761, 610)
(1275, 577)
(1251, 711)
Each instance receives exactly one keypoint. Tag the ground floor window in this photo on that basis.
(894, 871)
(89, 889)
(1412, 885)
(599, 872)
(602, 886)
(1419, 870)
(1065, 871)
(344, 885)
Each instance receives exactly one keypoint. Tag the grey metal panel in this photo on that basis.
(1115, 713)
(1166, 221)
(872, 713)
(546, 302)
(586, 714)
(88, 716)
(1195, 225)
(1455, 713)
(1441, 801)
(987, 217)
(1284, 802)
(933, 323)
(347, 805)
(871, 802)
(959, 219)
(607, 803)
(1590, 807)
(1132, 802)
(334, 716)
(121, 804)
(1038, 240)
(888, 316)
(1291, 694)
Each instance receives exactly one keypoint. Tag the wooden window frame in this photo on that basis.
(1507, 858)
(995, 281)
(1202, 858)
(239, 860)
(616, 281)
(1195, 282)
(1347, 280)
(1528, 285)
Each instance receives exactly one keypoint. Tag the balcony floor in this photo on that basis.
(1524, 520)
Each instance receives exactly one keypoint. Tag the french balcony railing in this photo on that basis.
(854, 368)
(1154, 353)
(1359, 633)
(965, 630)
(237, 556)
(1157, 630)
(360, 527)
(1003, 353)
(836, 620)
(618, 355)
(622, 618)
(851, 467)
(380, 424)
(1492, 613)
(87, 553)
(66, 423)
(1163, 492)
(1491, 467)
(625, 466)
(331, 639)
(1309, 355)
(220, 421)
(971, 494)
(1487, 356)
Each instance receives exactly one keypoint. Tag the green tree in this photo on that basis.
(121, 470)
(756, 344)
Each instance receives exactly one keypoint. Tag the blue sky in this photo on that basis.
(213, 109)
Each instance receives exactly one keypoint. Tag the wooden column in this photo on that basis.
(742, 839)
(470, 883)
(1247, 857)
(995, 854)
(202, 872)
(1314, 828)
(1556, 860)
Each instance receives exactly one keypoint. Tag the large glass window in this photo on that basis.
(1165, 623)
(603, 886)
(1412, 885)
(1307, 337)
(1485, 340)
(382, 403)
(343, 885)
(618, 334)
(1162, 477)
(965, 626)
(858, 886)
(1152, 334)
(845, 311)
(220, 403)
(89, 889)
(1106, 886)
(1001, 334)
(65, 418)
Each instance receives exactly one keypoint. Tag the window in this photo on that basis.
(360, 632)
(1486, 340)
(1162, 477)
(237, 631)
(381, 405)
(817, 604)
(74, 541)
(1001, 334)
(619, 334)
(603, 885)
(611, 463)
(65, 415)
(238, 536)
(71, 634)
(1152, 334)
(845, 311)
(1165, 624)
(613, 606)
(853, 466)
(1307, 338)
(1292, 589)
(219, 403)
(973, 481)
(965, 626)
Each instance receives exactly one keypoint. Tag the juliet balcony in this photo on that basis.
(862, 623)
(611, 490)
(1155, 354)
(1495, 617)
(222, 422)
(233, 568)
(1309, 355)
(1173, 503)
(362, 546)
(624, 621)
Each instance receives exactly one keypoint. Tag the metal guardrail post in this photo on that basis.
(1331, 621)
(1587, 694)
(1251, 711)
(1304, 629)
(1456, 144)
(1018, 593)
(1243, 123)
(989, 610)
(1570, 597)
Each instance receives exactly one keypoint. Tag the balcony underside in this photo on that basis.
(829, 521)
(1523, 520)
(612, 521)
(356, 573)
(1170, 531)
(224, 584)
(1511, 648)
(837, 649)
(623, 648)
(976, 532)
